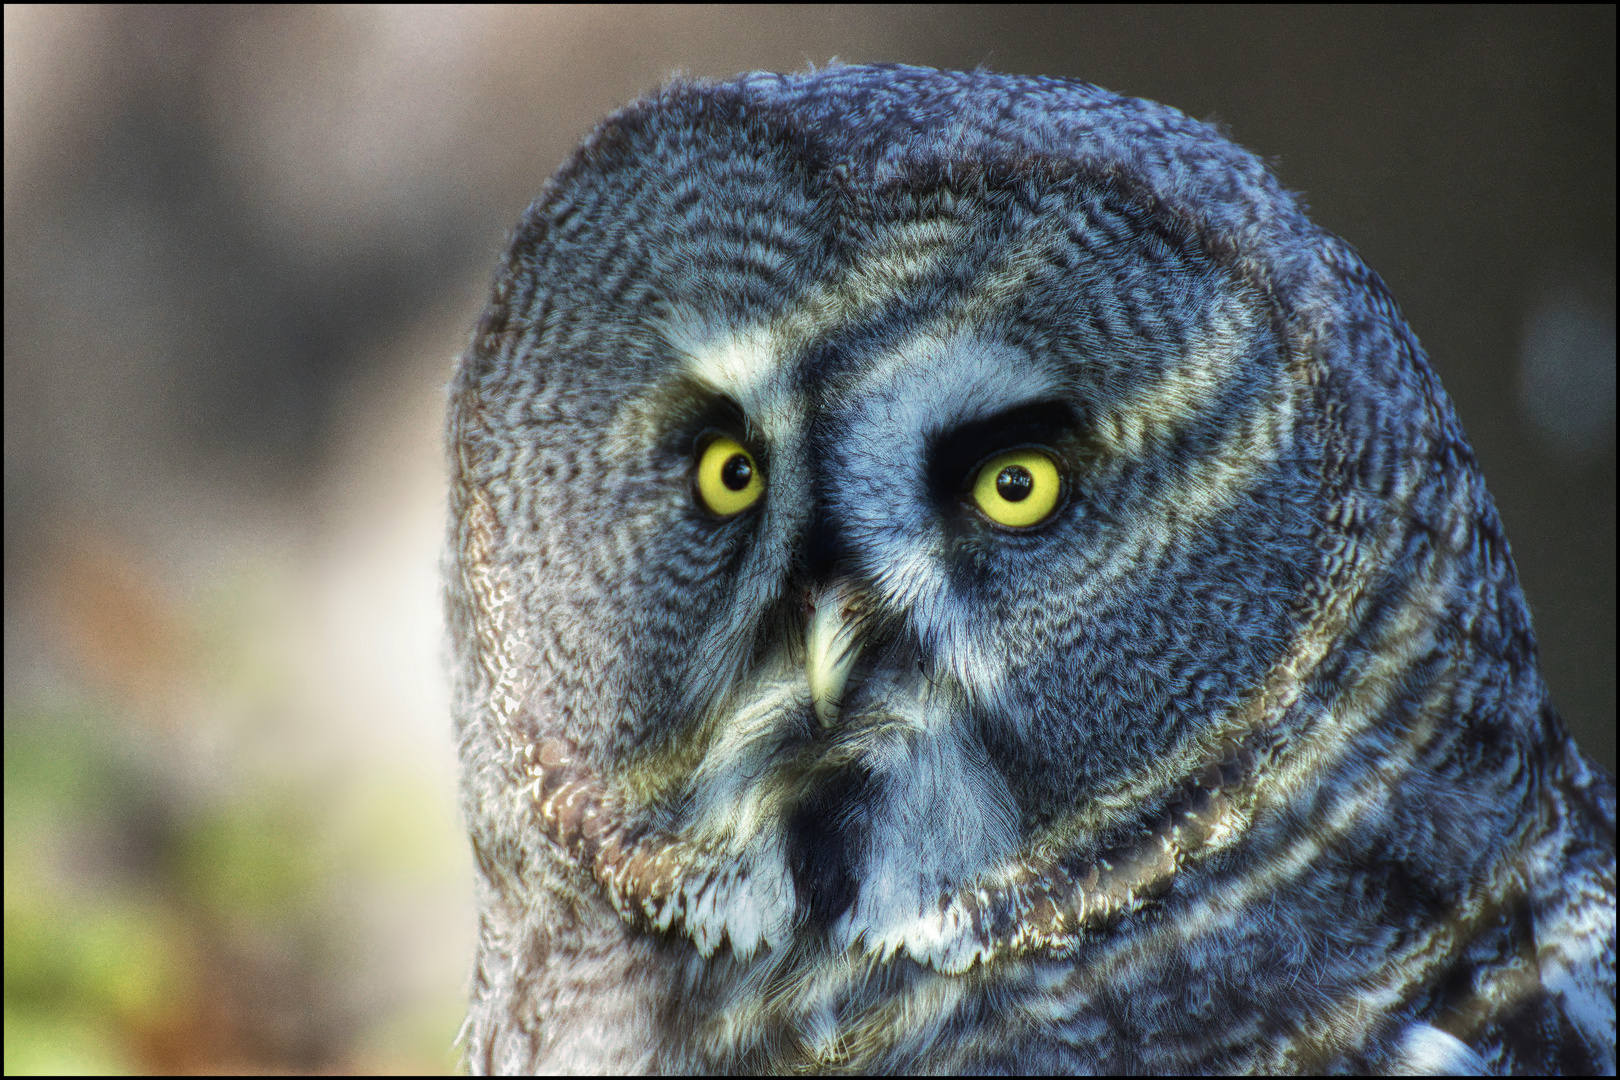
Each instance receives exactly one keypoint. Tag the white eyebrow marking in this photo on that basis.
(754, 364)
(936, 381)
(748, 364)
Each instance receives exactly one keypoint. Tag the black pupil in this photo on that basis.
(1014, 483)
(736, 472)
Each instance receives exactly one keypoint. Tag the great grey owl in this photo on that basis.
(955, 573)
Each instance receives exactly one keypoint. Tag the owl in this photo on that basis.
(952, 572)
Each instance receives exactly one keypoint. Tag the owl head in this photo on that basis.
(925, 517)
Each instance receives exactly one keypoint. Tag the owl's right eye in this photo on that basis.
(728, 477)
(1018, 489)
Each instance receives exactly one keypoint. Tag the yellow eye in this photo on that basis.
(1018, 488)
(728, 480)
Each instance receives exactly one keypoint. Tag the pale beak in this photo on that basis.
(837, 624)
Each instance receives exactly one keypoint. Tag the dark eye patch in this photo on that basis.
(954, 455)
(692, 414)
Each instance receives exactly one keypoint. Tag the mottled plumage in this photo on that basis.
(1237, 759)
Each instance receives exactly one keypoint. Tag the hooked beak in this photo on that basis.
(837, 628)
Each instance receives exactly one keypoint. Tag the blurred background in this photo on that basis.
(244, 245)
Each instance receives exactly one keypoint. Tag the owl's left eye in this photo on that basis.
(1018, 489)
(728, 477)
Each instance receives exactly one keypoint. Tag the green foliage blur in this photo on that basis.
(147, 931)
(168, 910)
(88, 964)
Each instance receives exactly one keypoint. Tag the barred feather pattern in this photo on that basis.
(1239, 761)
